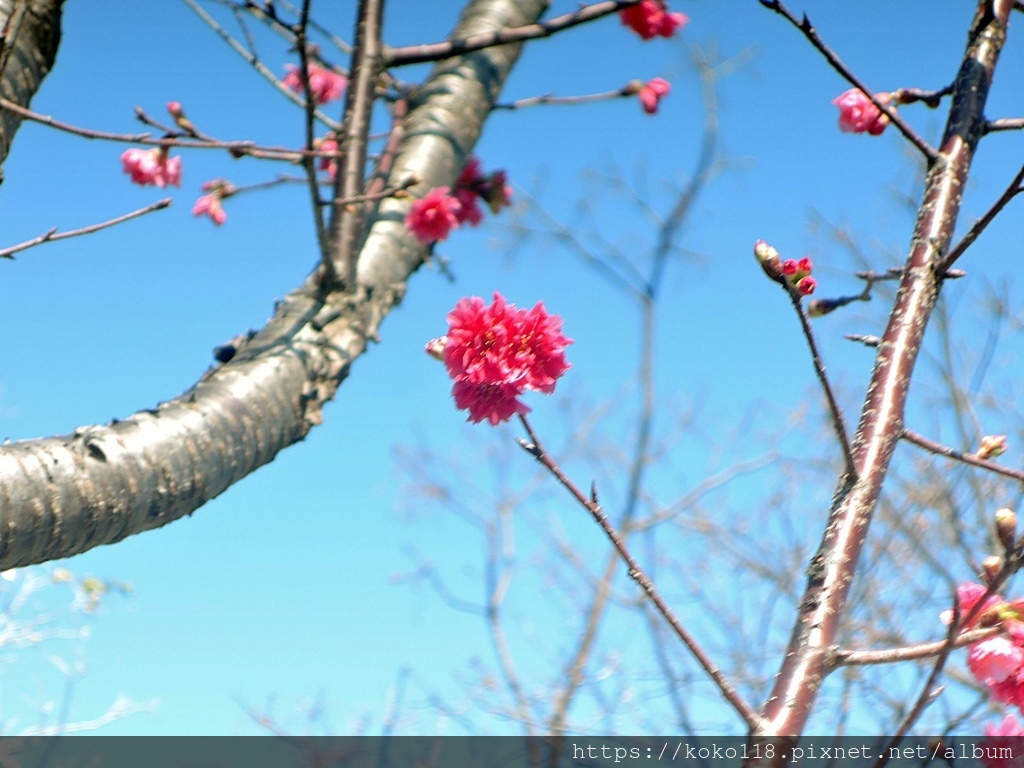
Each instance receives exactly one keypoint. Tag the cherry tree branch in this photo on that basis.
(347, 222)
(416, 54)
(67, 494)
(31, 36)
(951, 453)
(52, 235)
(805, 26)
(831, 570)
(1014, 188)
(534, 448)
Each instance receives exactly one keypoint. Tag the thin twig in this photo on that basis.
(1013, 189)
(848, 658)
(1005, 124)
(236, 148)
(950, 453)
(254, 62)
(835, 412)
(415, 54)
(535, 449)
(308, 163)
(533, 101)
(53, 235)
(930, 98)
(805, 26)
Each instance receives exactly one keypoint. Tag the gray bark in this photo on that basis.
(29, 36)
(63, 495)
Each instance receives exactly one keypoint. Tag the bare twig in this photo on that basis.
(414, 54)
(254, 62)
(535, 449)
(1014, 188)
(930, 98)
(533, 101)
(53, 235)
(308, 124)
(174, 139)
(805, 26)
(950, 453)
(848, 658)
(1005, 124)
(835, 412)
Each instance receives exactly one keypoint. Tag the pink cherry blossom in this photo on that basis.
(434, 216)
(471, 174)
(1000, 744)
(210, 205)
(329, 164)
(650, 18)
(858, 115)
(968, 594)
(496, 352)
(152, 167)
(497, 192)
(652, 92)
(1008, 726)
(995, 660)
(325, 84)
(469, 212)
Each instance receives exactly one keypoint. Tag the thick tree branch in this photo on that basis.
(831, 570)
(64, 495)
(29, 36)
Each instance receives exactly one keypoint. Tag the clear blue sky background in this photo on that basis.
(282, 589)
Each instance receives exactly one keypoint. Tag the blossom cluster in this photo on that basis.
(495, 352)
(857, 113)
(795, 273)
(650, 19)
(997, 662)
(152, 166)
(442, 209)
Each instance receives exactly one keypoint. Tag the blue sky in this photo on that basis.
(282, 590)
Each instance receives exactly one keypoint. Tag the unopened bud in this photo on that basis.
(1006, 527)
(992, 566)
(806, 285)
(769, 260)
(991, 447)
(435, 348)
(820, 307)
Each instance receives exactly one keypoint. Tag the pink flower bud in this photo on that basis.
(857, 113)
(806, 285)
(652, 92)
